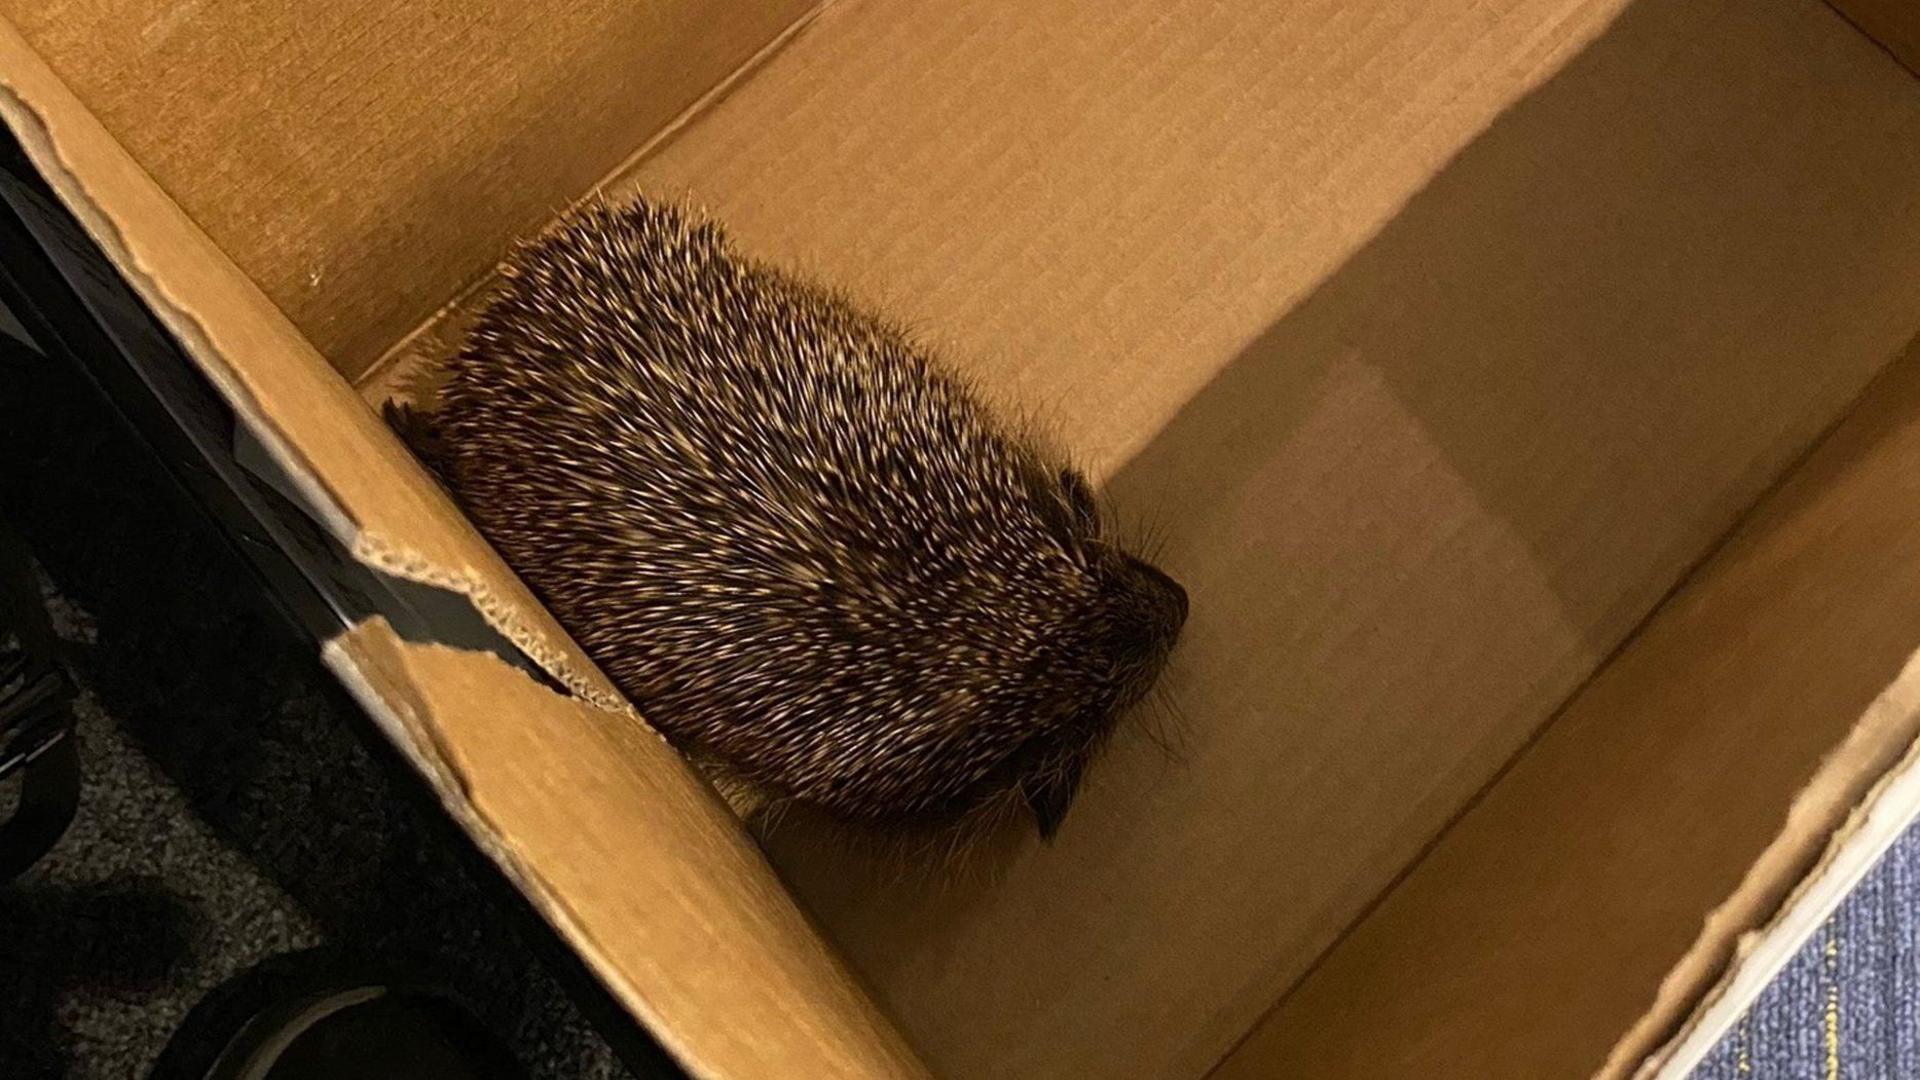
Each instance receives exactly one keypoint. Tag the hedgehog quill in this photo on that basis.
(804, 549)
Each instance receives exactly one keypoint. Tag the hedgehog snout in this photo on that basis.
(1143, 611)
(1168, 593)
(1155, 611)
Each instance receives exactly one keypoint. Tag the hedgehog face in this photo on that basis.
(1029, 651)
(1144, 611)
(1055, 654)
(1138, 610)
(1107, 655)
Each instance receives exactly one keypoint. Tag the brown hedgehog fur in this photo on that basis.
(801, 547)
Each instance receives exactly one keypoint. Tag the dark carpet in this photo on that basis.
(239, 828)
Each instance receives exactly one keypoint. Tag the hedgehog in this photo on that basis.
(804, 549)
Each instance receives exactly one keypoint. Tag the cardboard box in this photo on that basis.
(1526, 386)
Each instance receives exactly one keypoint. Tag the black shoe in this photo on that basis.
(366, 1032)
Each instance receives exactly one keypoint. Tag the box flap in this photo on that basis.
(651, 881)
(1438, 352)
(589, 814)
(362, 161)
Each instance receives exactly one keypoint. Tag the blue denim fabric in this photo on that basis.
(1845, 1008)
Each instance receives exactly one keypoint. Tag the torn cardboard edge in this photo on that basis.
(30, 128)
(29, 122)
(439, 333)
(1842, 821)
(390, 701)
(843, 1033)
(343, 590)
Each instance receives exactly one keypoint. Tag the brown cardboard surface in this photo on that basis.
(1893, 23)
(690, 951)
(1591, 865)
(1442, 338)
(1440, 351)
(1098, 204)
(362, 160)
(588, 814)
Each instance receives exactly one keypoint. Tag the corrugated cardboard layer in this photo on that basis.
(690, 957)
(1439, 362)
(1591, 865)
(363, 160)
